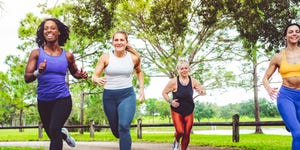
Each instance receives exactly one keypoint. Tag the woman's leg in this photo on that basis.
(45, 109)
(189, 121)
(288, 104)
(126, 111)
(60, 113)
(110, 109)
(179, 125)
(119, 107)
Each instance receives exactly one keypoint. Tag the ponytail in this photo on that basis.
(134, 52)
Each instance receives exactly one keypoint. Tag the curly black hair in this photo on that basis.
(63, 29)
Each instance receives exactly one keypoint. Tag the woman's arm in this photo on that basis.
(140, 77)
(198, 87)
(101, 64)
(30, 66)
(273, 65)
(75, 72)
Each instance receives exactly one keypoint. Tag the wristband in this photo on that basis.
(36, 73)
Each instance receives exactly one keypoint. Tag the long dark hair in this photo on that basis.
(63, 29)
(286, 29)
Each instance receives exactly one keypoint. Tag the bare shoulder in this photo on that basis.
(173, 81)
(35, 53)
(69, 54)
(104, 57)
(195, 82)
(276, 59)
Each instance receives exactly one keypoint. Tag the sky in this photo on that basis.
(15, 10)
(10, 15)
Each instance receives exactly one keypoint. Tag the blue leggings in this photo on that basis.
(288, 103)
(119, 107)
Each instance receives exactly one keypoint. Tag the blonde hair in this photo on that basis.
(182, 61)
(128, 47)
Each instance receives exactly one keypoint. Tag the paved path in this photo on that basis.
(105, 146)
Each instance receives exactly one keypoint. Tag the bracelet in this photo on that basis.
(36, 73)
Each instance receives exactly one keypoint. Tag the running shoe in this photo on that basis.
(69, 140)
(175, 145)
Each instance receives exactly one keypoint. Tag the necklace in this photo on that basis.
(184, 82)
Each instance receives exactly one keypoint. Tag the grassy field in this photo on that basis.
(247, 141)
(165, 135)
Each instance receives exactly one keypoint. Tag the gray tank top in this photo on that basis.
(119, 72)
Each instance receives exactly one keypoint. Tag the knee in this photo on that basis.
(54, 133)
(296, 135)
(123, 127)
(180, 133)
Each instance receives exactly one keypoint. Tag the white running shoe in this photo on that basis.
(70, 141)
(175, 145)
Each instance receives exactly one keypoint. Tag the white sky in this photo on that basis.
(15, 10)
(10, 15)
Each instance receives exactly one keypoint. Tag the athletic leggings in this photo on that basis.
(288, 103)
(119, 107)
(183, 126)
(54, 114)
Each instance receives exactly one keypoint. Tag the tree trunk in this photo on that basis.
(81, 112)
(258, 129)
(20, 120)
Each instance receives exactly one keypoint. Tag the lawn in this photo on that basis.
(247, 141)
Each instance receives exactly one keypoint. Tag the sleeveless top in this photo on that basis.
(288, 70)
(52, 84)
(119, 72)
(184, 94)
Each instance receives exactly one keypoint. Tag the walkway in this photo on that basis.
(105, 146)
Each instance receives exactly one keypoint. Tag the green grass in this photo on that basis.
(247, 141)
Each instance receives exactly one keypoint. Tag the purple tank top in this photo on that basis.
(52, 82)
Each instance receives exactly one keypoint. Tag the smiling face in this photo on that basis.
(293, 34)
(51, 31)
(184, 70)
(120, 41)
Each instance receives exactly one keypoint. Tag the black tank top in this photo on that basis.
(184, 94)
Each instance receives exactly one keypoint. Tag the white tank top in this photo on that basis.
(118, 72)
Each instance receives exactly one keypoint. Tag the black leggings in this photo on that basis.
(54, 114)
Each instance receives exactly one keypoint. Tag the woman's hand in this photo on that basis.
(100, 81)
(201, 91)
(83, 74)
(273, 93)
(175, 103)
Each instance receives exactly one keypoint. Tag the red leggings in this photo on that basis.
(183, 126)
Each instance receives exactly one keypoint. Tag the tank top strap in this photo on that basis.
(283, 55)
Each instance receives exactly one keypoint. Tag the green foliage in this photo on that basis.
(267, 108)
(204, 110)
(169, 30)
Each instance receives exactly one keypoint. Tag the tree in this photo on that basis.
(173, 29)
(16, 89)
(163, 108)
(151, 107)
(227, 111)
(260, 25)
(204, 110)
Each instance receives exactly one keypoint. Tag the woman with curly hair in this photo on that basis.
(49, 65)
